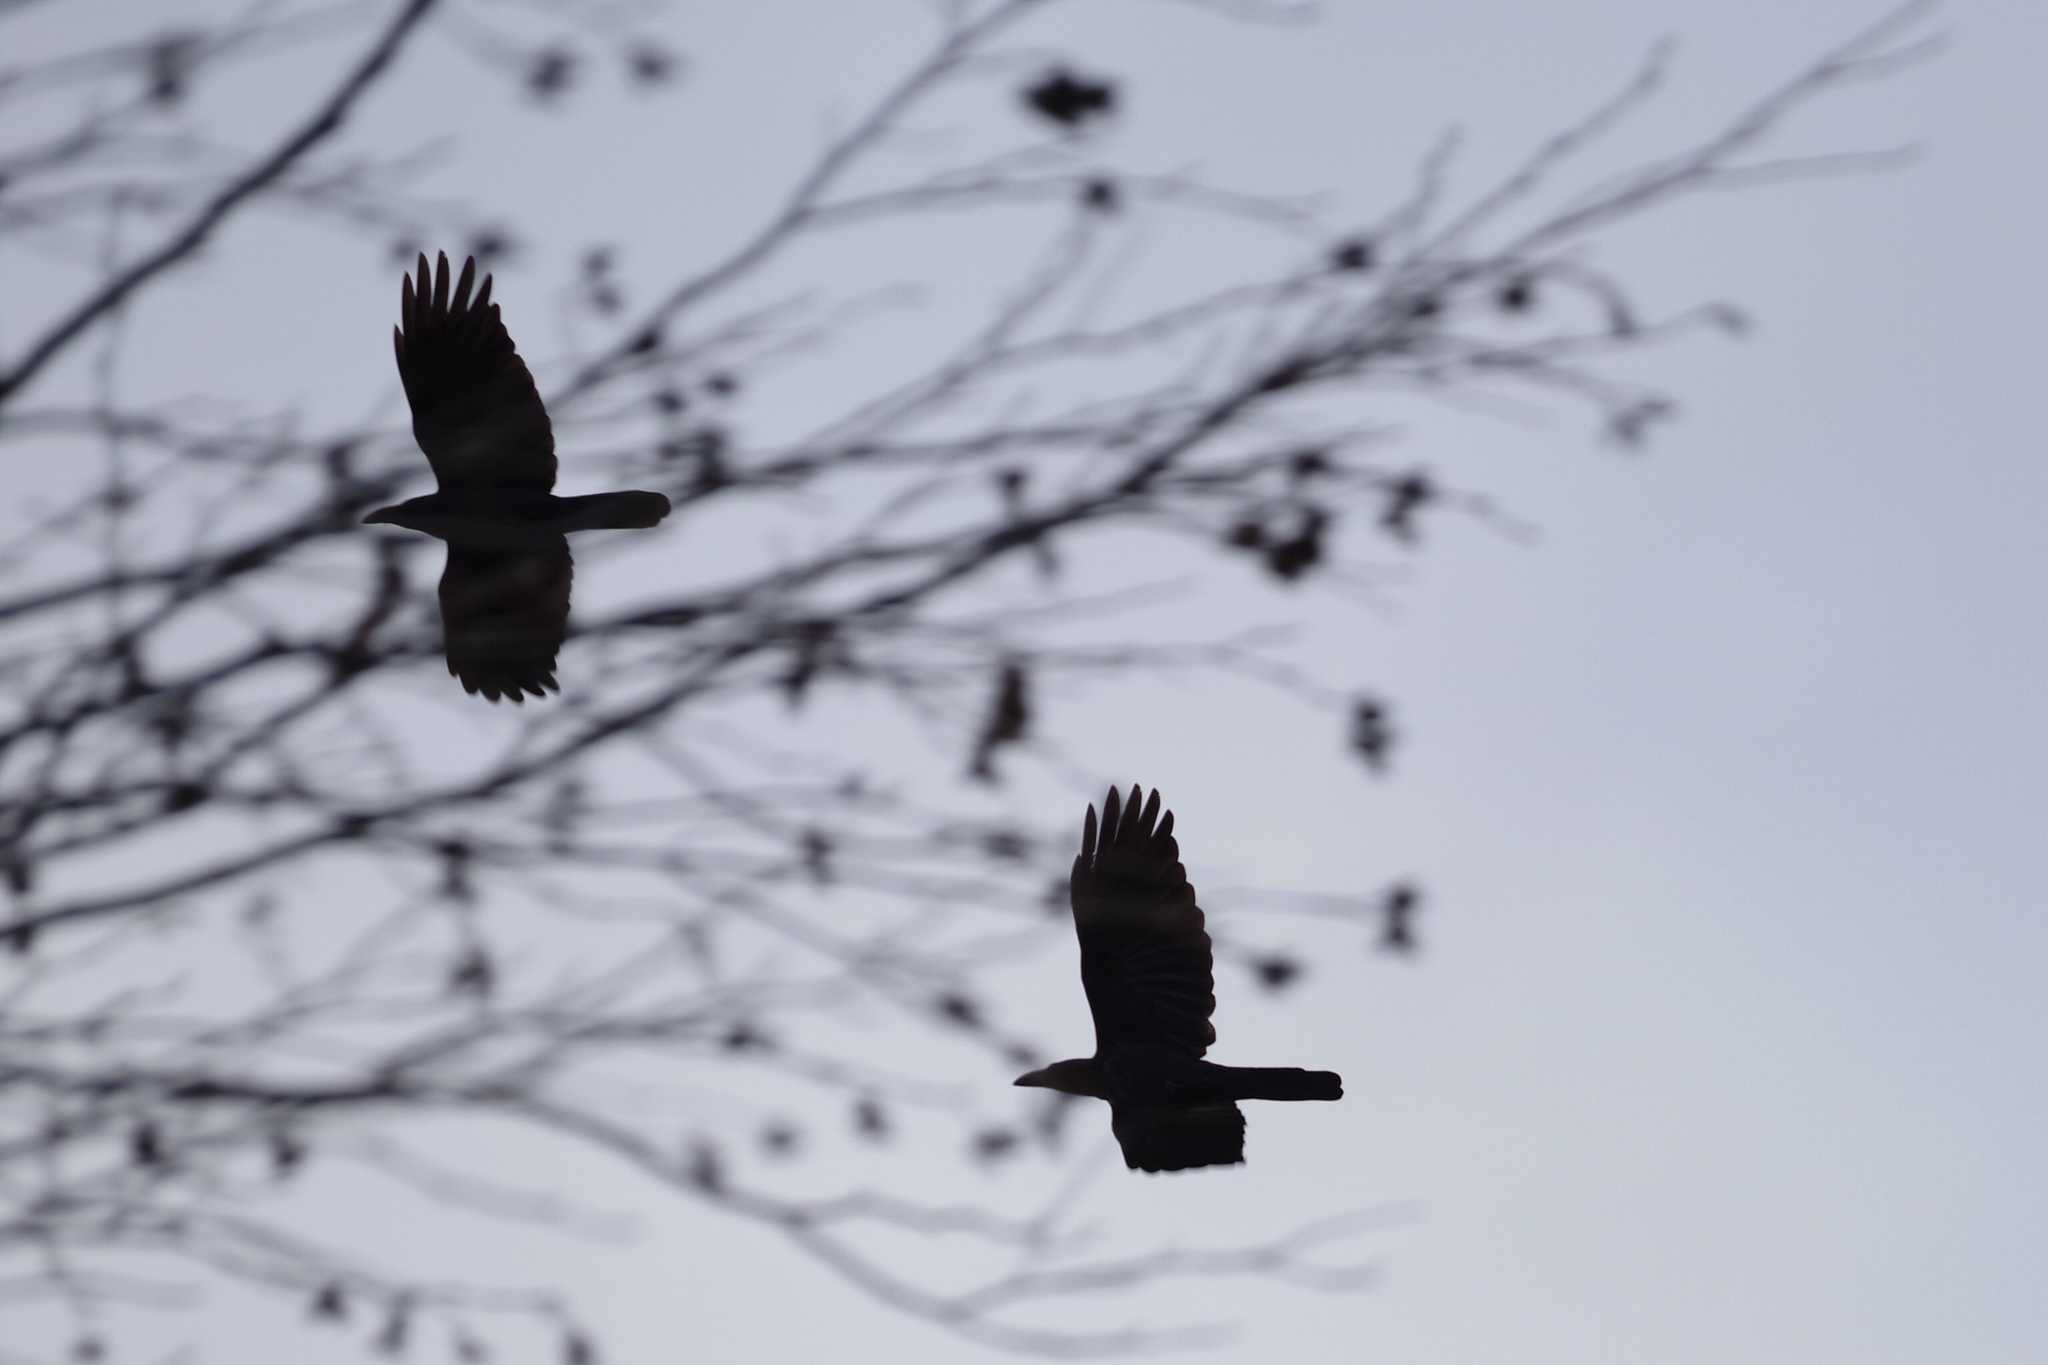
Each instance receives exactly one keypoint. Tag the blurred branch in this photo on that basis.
(252, 182)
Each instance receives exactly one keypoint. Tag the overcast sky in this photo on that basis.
(1727, 786)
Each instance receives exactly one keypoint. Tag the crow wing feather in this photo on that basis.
(504, 614)
(1172, 1138)
(1146, 963)
(475, 411)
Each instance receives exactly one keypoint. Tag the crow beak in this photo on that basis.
(1030, 1078)
(381, 517)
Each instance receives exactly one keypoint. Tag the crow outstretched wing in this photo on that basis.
(503, 616)
(1146, 962)
(1173, 1138)
(475, 410)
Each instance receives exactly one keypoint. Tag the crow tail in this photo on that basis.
(1281, 1083)
(613, 511)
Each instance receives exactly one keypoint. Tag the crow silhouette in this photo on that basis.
(479, 420)
(1069, 100)
(1149, 974)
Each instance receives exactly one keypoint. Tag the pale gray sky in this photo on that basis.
(1727, 788)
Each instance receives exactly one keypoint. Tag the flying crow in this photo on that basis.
(480, 422)
(1069, 100)
(1148, 971)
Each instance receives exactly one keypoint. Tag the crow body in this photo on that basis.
(479, 421)
(1148, 970)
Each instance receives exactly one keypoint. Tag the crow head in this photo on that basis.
(1075, 1076)
(414, 514)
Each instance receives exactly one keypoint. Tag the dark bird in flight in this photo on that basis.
(479, 420)
(1069, 100)
(1149, 974)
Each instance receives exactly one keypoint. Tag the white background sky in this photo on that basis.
(1726, 1043)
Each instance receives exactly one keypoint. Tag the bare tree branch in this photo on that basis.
(323, 124)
